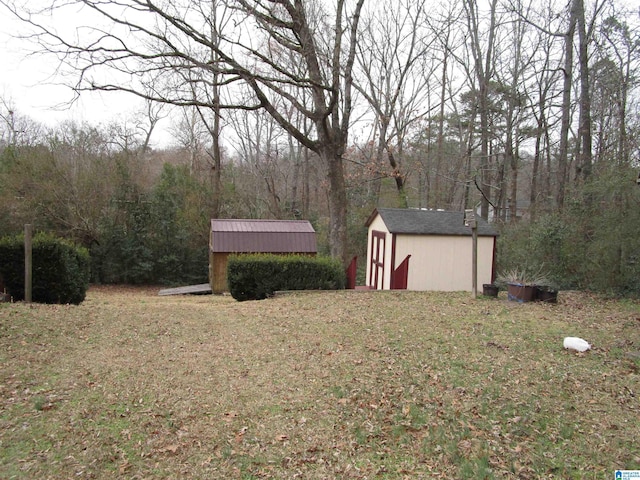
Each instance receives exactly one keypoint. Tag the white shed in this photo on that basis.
(418, 249)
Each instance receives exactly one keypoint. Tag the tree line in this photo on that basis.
(526, 111)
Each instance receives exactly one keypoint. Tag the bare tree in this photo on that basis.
(207, 85)
(618, 54)
(132, 41)
(444, 32)
(483, 54)
(585, 36)
(567, 70)
(511, 79)
(8, 127)
(541, 90)
(258, 142)
(393, 60)
(15, 128)
(191, 135)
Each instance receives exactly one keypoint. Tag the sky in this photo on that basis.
(29, 85)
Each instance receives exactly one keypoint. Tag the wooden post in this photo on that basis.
(28, 262)
(474, 269)
(471, 221)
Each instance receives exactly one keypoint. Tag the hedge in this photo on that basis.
(60, 269)
(258, 276)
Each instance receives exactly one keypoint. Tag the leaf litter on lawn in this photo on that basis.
(317, 385)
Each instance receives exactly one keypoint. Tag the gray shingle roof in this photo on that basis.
(262, 236)
(412, 221)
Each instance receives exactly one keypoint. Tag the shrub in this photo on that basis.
(258, 276)
(60, 269)
(540, 247)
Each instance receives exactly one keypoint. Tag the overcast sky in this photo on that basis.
(29, 84)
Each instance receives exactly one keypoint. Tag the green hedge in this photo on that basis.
(258, 276)
(60, 269)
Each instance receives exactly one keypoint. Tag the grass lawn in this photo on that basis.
(318, 386)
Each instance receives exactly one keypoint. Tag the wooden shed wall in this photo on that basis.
(444, 262)
(218, 272)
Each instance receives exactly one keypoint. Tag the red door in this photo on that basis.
(376, 270)
(400, 276)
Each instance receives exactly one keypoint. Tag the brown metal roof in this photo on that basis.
(262, 236)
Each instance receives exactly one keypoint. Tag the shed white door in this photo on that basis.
(376, 271)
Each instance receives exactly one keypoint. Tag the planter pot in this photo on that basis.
(546, 294)
(517, 292)
(489, 290)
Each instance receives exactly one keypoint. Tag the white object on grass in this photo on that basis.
(575, 343)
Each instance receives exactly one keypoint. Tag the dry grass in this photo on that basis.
(317, 385)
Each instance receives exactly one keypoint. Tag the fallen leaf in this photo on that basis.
(229, 416)
(240, 435)
(169, 448)
(124, 467)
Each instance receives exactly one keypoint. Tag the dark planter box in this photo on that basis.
(546, 294)
(489, 290)
(517, 292)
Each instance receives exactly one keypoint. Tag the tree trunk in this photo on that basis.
(215, 129)
(295, 152)
(565, 124)
(513, 163)
(584, 157)
(403, 202)
(483, 62)
(440, 144)
(337, 202)
(484, 149)
(535, 172)
(216, 177)
(306, 191)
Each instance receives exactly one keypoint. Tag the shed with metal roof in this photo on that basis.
(233, 236)
(419, 249)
